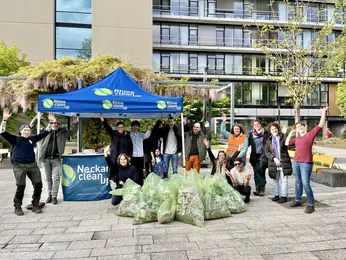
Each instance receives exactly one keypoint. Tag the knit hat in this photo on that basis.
(24, 126)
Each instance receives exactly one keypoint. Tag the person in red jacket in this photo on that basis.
(303, 162)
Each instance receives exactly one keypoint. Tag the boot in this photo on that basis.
(36, 209)
(262, 191)
(49, 199)
(276, 198)
(256, 193)
(18, 211)
(54, 200)
(282, 200)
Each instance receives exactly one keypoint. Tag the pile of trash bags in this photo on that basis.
(189, 199)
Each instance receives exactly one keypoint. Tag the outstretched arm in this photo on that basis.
(107, 127)
(245, 147)
(223, 127)
(5, 116)
(323, 116)
(287, 142)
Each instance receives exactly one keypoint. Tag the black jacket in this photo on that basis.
(114, 134)
(254, 157)
(163, 133)
(285, 158)
(119, 173)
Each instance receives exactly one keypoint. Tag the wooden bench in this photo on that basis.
(320, 161)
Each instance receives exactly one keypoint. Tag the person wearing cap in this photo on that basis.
(50, 154)
(23, 160)
(137, 159)
(240, 176)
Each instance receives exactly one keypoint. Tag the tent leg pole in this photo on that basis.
(182, 141)
(38, 131)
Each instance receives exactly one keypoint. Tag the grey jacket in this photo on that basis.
(61, 136)
(202, 150)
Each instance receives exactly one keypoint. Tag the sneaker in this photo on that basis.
(309, 209)
(49, 199)
(18, 211)
(296, 204)
(36, 209)
(276, 198)
(40, 204)
(247, 200)
(282, 200)
(55, 200)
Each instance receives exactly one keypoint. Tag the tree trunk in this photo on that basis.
(297, 106)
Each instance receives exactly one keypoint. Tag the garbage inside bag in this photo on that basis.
(190, 208)
(128, 186)
(147, 210)
(166, 211)
(130, 203)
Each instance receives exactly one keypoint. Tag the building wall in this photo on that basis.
(124, 29)
(333, 107)
(29, 24)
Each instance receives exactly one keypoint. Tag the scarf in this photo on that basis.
(275, 147)
(257, 134)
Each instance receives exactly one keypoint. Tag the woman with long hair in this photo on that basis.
(279, 162)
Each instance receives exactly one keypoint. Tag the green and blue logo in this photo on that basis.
(107, 104)
(68, 175)
(103, 92)
(161, 104)
(48, 103)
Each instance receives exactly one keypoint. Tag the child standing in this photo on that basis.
(159, 164)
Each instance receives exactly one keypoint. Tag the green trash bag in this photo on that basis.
(130, 203)
(147, 210)
(190, 208)
(128, 186)
(215, 206)
(166, 211)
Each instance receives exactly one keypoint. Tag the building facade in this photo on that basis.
(197, 39)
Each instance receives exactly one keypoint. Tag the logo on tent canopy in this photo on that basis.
(68, 175)
(161, 104)
(47, 103)
(107, 104)
(102, 92)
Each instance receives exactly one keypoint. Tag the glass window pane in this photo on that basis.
(156, 33)
(229, 64)
(65, 52)
(238, 94)
(247, 93)
(156, 62)
(174, 63)
(202, 63)
(78, 11)
(238, 64)
(74, 6)
(71, 38)
(184, 35)
(184, 62)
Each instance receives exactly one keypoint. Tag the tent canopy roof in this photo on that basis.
(117, 96)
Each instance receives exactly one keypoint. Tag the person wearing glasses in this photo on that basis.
(240, 176)
(50, 154)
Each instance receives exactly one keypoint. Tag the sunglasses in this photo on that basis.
(56, 123)
(237, 164)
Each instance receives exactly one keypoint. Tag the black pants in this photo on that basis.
(147, 164)
(259, 172)
(243, 190)
(138, 162)
(116, 200)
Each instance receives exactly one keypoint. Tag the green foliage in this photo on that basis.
(11, 59)
(85, 52)
(341, 97)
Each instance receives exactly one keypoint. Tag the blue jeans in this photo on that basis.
(302, 171)
(174, 158)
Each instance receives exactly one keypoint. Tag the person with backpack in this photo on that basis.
(24, 163)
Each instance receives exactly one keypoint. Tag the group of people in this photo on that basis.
(130, 153)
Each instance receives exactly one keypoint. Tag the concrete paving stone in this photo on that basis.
(48, 231)
(238, 219)
(150, 232)
(223, 227)
(7, 226)
(109, 215)
(126, 257)
(261, 241)
(27, 255)
(25, 249)
(13, 219)
(169, 247)
(219, 235)
(293, 231)
(333, 228)
(80, 258)
(32, 225)
(66, 237)
(171, 224)
(16, 232)
(56, 218)
(82, 229)
(304, 223)
(54, 246)
(229, 243)
(112, 234)
(87, 244)
(220, 253)
(37, 245)
(98, 222)
(181, 255)
(72, 254)
(315, 238)
(87, 217)
(25, 239)
(162, 239)
(292, 256)
(337, 244)
(65, 224)
(335, 220)
(252, 233)
(260, 250)
(130, 241)
(309, 246)
(261, 225)
(121, 250)
(336, 254)
(212, 222)
(184, 230)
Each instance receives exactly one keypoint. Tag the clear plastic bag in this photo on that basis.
(130, 203)
(166, 211)
(147, 210)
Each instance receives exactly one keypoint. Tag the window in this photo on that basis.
(238, 95)
(247, 93)
(73, 29)
(247, 66)
(193, 63)
(193, 35)
(165, 63)
(165, 34)
(156, 62)
(220, 35)
(193, 8)
(156, 33)
(324, 95)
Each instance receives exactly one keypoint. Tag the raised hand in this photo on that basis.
(240, 147)
(101, 117)
(74, 120)
(161, 118)
(6, 113)
(184, 120)
(223, 117)
(324, 110)
(206, 124)
(51, 117)
(206, 143)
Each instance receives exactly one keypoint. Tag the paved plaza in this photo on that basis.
(91, 230)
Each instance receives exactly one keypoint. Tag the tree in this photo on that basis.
(300, 66)
(11, 59)
(85, 53)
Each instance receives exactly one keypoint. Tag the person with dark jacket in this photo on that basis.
(24, 164)
(172, 145)
(50, 154)
(120, 172)
(257, 139)
(279, 162)
(120, 139)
